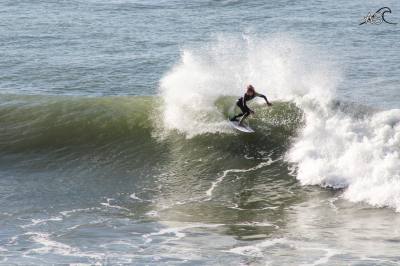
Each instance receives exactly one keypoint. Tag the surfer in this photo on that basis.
(241, 103)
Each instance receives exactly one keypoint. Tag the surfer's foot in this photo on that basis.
(233, 119)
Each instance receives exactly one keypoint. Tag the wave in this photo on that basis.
(340, 146)
(330, 143)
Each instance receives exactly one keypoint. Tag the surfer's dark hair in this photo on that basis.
(250, 88)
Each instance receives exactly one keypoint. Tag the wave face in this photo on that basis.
(340, 146)
(42, 122)
(51, 122)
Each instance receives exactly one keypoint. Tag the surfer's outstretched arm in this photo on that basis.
(265, 98)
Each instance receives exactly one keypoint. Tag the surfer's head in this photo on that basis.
(250, 90)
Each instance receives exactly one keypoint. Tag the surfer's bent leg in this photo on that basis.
(245, 115)
(245, 111)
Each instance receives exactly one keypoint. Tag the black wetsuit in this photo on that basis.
(241, 103)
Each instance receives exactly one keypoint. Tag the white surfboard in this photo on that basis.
(243, 128)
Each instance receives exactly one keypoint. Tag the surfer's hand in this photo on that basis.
(269, 104)
(252, 112)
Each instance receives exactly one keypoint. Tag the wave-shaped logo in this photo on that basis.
(378, 17)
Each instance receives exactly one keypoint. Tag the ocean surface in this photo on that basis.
(115, 147)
